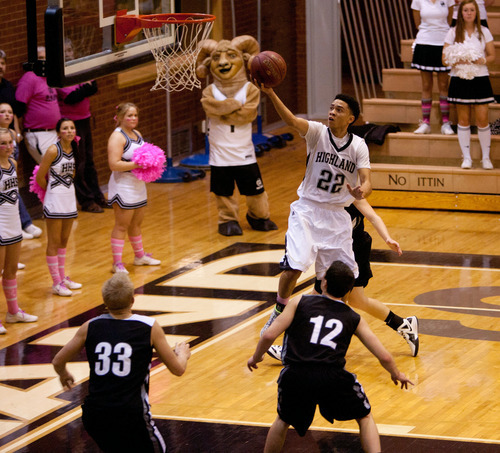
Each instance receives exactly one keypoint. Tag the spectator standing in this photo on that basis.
(8, 93)
(483, 14)
(74, 104)
(8, 96)
(477, 92)
(432, 18)
(40, 110)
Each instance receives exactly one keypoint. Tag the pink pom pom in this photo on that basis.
(152, 160)
(35, 187)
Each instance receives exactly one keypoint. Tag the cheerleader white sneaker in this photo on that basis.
(21, 266)
(61, 290)
(3, 330)
(424, 128)
(446, 129)
(467, 163)
(146, 260)
(119, 267)
(68, 283)
(20, 316)
(487, 165)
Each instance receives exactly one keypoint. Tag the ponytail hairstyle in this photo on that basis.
(460, 27)
(121, 110)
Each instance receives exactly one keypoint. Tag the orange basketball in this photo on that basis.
(268, 68)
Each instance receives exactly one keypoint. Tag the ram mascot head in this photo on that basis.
(226, 61)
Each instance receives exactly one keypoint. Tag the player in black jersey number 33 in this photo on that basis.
(119, 347)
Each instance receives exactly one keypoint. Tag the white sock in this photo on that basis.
(484, 136)
(463, 134)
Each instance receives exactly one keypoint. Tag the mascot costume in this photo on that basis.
(230, 103)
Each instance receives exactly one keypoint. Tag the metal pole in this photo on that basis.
(31, 29)
(169, 131)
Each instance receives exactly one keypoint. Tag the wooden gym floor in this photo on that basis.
(216, 292)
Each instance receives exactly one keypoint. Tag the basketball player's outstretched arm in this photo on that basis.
(365, 208)
(375, 346)
(174, 359)
(299, 124)
(280, 324)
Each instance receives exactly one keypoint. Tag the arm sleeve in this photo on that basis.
(450, 36)
(85, 90)
(363, 156)
(20, 109)
(313, 133)
(24, 89)
(487, 34)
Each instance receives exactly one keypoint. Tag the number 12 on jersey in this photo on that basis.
(335, 325)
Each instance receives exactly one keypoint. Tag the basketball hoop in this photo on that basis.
(173, 40)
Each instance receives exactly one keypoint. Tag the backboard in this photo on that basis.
(80, 38)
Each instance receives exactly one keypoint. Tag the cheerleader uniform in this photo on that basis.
(10, 222)
(123, 187)
(477, 90)
(428, 46)
(60, 200)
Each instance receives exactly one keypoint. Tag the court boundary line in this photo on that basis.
(435, 266)
(340, 430)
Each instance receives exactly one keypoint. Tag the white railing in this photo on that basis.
(372, 31)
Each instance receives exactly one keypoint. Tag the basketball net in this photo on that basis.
(176, 63)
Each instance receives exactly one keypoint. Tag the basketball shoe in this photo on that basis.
(275, 351)
(409, 331)
(275, 313)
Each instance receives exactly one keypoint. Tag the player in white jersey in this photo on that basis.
(337, 172)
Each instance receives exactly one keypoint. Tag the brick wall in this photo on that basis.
(283, 30)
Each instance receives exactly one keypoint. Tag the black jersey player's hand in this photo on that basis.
(401, 378)
(394, 246)
(252, 362)
(67, 380)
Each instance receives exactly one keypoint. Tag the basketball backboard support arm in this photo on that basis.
(33, 63)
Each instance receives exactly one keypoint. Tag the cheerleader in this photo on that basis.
(126, 193)
(432, 18)
(59, 205)
(474, 93)
(30, 230)
(10, 231)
